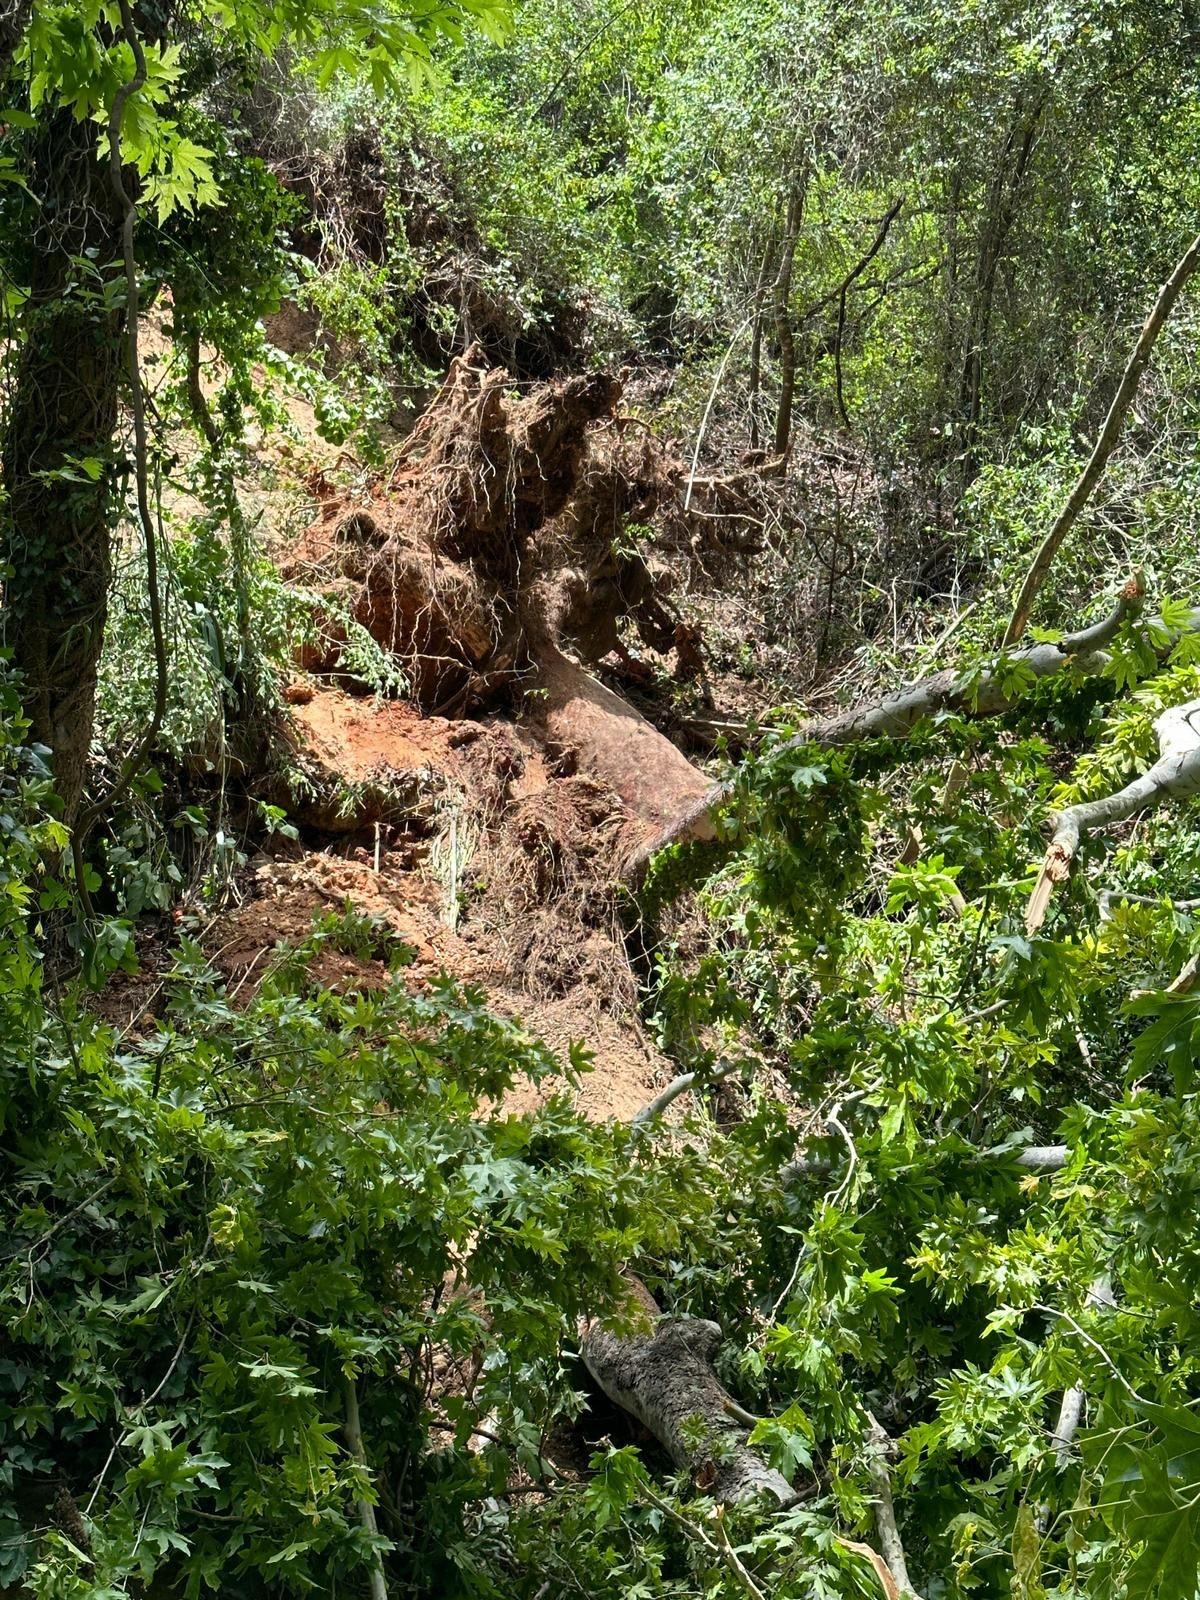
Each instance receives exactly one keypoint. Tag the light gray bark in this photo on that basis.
(1175, 775)
(664, 1378)
(985, 692)
(891, 1546)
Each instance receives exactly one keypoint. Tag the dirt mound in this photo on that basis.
(503, 874)
(489, 821)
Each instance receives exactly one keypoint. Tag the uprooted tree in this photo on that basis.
(499, 552)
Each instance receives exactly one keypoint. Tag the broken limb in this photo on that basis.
(663, 1376)
(1175, 775)
(680, 1086)
(984, 692)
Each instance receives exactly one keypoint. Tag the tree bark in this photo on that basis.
(664, 1378)
(782, 297)
(57, 513)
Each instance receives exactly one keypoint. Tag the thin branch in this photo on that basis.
(712, 395)
(723, 1550)
(366, 1511)
(844, 289)
(1093, 471)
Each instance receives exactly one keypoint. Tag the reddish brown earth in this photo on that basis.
(531, 849)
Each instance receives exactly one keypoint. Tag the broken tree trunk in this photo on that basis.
(664, 1377)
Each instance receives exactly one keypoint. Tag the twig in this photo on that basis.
(722, 1549)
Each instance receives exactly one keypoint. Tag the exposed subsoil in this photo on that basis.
(502, 877)
(487, 817)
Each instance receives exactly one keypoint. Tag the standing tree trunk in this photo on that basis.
(1005, 191)
(782, 296)
(59, 465)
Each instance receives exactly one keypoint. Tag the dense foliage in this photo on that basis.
(291, 1301)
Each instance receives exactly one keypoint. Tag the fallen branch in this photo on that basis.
(1108, 897)
(1175, 775)
(1044, 1157)
(680, 1086)
(879, 1448)
(1093, 471)
(984, 692)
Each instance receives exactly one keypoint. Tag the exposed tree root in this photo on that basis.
(664, 1378)
(491, 559)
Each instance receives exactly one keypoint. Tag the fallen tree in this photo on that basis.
(986, 692)
(981, 692)
(662, 1374)
(490, 560)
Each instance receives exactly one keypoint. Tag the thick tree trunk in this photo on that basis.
(664, 1378)
(58, 450)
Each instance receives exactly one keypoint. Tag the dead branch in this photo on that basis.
(1093, 471)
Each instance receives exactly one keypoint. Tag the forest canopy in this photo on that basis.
(599, 754)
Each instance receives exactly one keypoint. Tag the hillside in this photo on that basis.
(599, 853)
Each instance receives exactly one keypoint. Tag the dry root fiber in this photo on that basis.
(495, 555)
